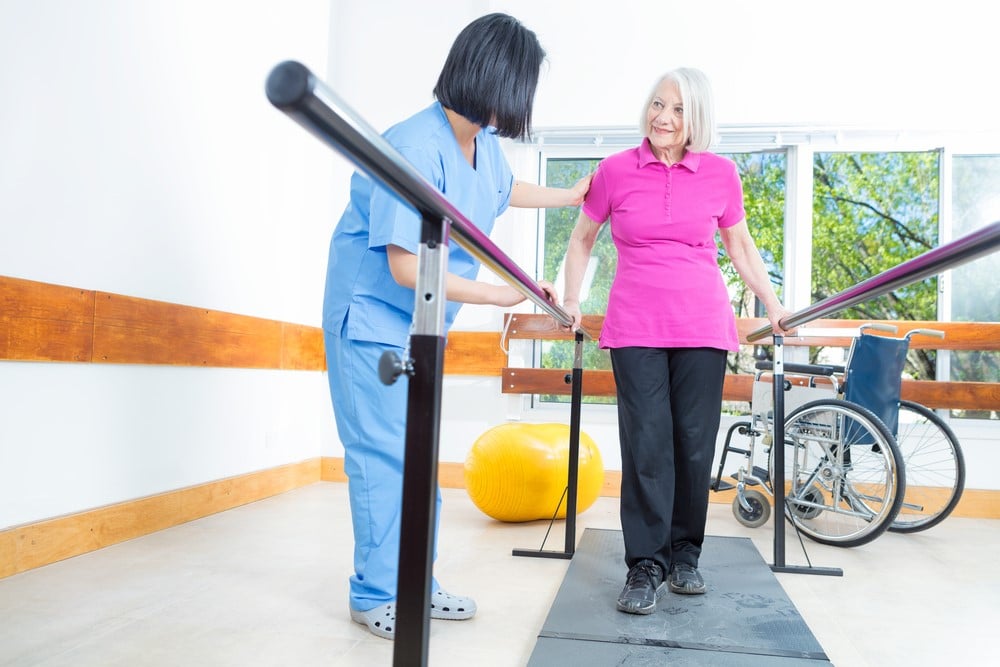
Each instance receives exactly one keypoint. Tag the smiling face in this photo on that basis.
(665, 123)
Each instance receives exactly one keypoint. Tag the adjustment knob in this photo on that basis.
(390, 367)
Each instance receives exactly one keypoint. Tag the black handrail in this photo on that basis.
(933, 262)
(292, 88)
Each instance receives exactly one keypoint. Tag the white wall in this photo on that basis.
(140, 156)
(895, 63)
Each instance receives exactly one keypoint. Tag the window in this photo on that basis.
(974, 295)
(871, 212)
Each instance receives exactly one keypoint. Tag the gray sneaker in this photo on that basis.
(686, 580)
(644, 586)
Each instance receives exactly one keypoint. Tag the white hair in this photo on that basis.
(699, 107)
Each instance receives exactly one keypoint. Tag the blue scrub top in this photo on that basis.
(362, 300)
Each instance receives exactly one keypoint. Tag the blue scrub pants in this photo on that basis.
(371, 423)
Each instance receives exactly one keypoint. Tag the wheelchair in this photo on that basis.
(858, 460)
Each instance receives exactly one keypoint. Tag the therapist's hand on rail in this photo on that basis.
(403, 266)
(550, 291)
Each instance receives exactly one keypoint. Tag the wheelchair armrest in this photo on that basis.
(806, 369)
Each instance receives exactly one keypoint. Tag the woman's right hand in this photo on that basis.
(572, 308)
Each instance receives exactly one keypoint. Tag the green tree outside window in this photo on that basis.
(872, 212)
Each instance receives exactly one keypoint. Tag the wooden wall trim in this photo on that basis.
(33, 545)
(954, 395)
(474, 353)
(44, 322)
(130, 330)
(596, 383)
(302, 348)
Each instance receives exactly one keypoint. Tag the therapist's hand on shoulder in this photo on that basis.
(580, 189)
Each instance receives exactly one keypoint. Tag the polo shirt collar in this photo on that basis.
(691, 160)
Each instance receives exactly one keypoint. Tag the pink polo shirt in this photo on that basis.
(668, 290)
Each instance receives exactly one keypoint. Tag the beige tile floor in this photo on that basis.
(266, 584)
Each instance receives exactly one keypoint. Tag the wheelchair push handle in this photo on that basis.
(925, 332)
(891, 328)
(879, 326)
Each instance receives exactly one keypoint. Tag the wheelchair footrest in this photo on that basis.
(721, 485)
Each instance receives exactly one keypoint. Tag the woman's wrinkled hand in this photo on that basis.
(775, 315)
(572, 308)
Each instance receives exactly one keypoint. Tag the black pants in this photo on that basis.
(669, 408)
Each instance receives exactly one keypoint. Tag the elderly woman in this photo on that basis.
(669, 324)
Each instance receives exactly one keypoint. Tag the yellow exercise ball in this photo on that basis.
(518, 472)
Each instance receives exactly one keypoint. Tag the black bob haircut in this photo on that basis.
(491, 74)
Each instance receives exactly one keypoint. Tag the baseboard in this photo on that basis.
(452, 475)
(975, 503)
(33, 545)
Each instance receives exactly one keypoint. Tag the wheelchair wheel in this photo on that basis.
(844, 477)
(935, 469)
(760, 509)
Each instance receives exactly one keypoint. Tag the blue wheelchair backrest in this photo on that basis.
(874, 373)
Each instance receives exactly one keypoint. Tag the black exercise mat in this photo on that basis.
(744, 618)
